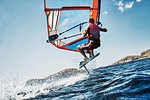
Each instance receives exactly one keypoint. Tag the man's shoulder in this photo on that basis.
(93, 25)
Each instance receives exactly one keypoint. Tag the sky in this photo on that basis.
(24, 52)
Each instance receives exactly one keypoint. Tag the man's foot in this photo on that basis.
(81, 62)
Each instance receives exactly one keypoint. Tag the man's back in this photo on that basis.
(93, 28)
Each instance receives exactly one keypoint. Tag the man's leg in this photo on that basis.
(82, 52)
(92, 52)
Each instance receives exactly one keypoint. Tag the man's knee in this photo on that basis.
(79, 47)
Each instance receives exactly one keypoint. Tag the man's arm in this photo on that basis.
(84, 33)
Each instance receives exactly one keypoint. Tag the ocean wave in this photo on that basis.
(126, 81)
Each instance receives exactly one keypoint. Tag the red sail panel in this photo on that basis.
(95, 13)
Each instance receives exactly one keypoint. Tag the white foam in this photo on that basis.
(11, 90)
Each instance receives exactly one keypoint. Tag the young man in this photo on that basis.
(93, 31)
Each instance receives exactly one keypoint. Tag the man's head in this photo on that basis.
(91, 20)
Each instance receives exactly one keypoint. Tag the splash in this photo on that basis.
(10, 89)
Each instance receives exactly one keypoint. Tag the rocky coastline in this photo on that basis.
(144, 54)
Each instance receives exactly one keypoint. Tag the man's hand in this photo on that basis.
(104, 30)
(81, 33)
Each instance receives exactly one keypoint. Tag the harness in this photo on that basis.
(95, 37)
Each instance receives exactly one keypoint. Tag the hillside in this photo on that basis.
(144, 54)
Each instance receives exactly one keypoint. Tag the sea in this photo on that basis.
(126, 81)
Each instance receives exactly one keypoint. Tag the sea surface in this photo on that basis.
(126, 81)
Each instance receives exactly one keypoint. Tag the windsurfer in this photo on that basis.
(93, 31)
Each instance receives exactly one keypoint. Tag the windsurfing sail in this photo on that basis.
(62, 22)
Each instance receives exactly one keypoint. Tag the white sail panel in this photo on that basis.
(53, 21)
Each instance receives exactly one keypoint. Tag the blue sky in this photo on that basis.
(23, 33)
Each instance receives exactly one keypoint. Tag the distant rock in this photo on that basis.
(64, 73)
(144, 54)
